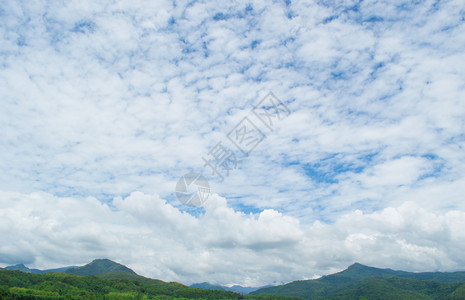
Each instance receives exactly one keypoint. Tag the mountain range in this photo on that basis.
(103, 278)
(102, 266)
(23, 268)
(100, 279)
(359, 281)
(96, 267)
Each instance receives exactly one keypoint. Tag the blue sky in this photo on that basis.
(105, 105)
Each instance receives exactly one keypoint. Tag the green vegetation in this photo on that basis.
(117, 285)
(396, 288)
(19, 267)
(362, 282)
(99, 266)
(105, 279)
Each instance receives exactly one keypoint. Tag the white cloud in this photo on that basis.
(222, 245)
(99, 100)
(401, 171)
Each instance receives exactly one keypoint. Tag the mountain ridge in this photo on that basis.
(96, 267)
(358, 277)
(99, 266)
(355, 282)
(23, 268)
(114, 285)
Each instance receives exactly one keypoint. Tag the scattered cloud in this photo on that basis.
(105, 105)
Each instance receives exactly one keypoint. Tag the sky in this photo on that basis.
(104, 105)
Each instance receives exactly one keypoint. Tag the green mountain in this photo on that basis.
(103, 279)
(359, 271)
(397, 288)
(20, 285)
(19, 267)
(99, 266)
(362, 280)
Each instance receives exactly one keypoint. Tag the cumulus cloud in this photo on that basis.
(222, 245)
(100, 100)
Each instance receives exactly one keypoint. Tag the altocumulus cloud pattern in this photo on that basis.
(104, 105)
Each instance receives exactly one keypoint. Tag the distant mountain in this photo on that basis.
(245, 290)
(99, 266)
(207, 286)
(23, 268)
(359, 271)
(113, 279)
(96, 267)
(235, 288)
(19, 267)
(361, 278)
(57, 270)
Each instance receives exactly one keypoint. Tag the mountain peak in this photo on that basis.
(100, 266)
(357, 265)
(103, 260)
(18, 267)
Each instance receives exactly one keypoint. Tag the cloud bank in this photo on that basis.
(223, 245)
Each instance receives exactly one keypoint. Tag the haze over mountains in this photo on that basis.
(235, 288)
(23, 268)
